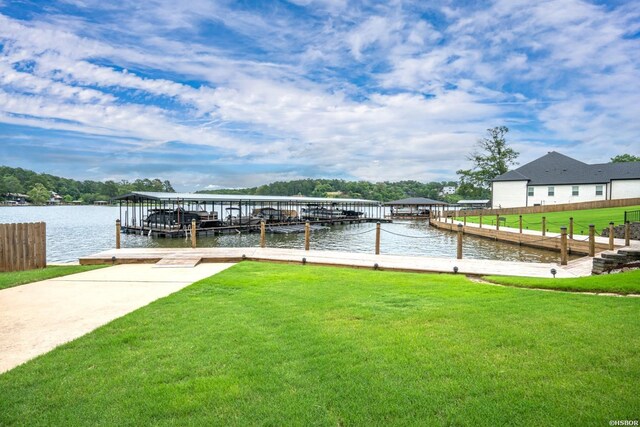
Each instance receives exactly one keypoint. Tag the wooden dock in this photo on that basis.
(162, 256)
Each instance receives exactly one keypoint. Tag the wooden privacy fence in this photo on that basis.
(560, 207)
(23, 246)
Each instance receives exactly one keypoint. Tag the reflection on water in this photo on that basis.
(76, 231)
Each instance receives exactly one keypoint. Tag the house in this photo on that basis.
(448, 189)
(556, 178)
(55, 198)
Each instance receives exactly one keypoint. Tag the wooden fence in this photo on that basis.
(23, 246)
(562, 207)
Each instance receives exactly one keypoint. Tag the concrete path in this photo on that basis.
(37, 317)
(347, 259)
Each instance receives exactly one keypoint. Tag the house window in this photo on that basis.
(530, 191)
(575, 190)
(551, 191)
(599, 190)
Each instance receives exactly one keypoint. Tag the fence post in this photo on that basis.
(193, 233)
(571, 227)
(263, 240)
(480, 220)
(627, 233)
(117, 234)
(611, 236)
(544, 225)
(377, 238)
(497, 222)
(307, 232)
(459, 251)
(592, 240)
(563, 245)
(520, 223)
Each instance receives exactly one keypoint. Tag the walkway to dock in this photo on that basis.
(37, 317)
(332, 258)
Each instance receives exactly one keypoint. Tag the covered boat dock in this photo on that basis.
(171, 214)
(415, 207)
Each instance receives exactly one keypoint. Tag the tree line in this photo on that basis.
(382, 191)
(39, 186)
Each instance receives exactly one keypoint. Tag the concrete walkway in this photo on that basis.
(37, 317)
(334, 258)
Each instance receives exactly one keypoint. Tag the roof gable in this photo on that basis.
(556, 168)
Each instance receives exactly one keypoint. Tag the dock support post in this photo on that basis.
(378, 238)
(193, 233)
(563, 245)
(571, 228)
(459, 251)
(464, 217)
(520, 223)
(480, 220)
(592, 240)
(497, 222)
(263, 240)
(117, 234)
(307, 233)
(611, 236)
(627, 233)
(544, 225)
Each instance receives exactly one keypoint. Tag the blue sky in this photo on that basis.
(231, 94)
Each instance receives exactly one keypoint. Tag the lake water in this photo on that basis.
(76, 231)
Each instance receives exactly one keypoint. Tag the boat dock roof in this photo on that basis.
(139, 196)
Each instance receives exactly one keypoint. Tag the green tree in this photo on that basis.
(10, 184)
(491, 159)
(621, 158)
(39, 195)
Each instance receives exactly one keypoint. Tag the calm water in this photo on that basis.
(76, 231)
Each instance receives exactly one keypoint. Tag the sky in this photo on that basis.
(231, 94)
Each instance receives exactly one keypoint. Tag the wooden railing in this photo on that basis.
(23, 246)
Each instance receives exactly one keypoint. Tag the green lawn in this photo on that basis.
(622, 283)
(599, 217)
(15, 278)
(269, 344)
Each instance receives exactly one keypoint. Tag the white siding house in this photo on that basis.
(556, 178)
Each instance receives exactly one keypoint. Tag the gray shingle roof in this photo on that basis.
(416, 201)
(556, 168)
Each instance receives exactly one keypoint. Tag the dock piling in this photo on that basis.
(544, 226)
(480, 220)
(193, 233)
(307, 235)
(627, 233)
(497, 222)
(592, 240)
(571, 228)
(563, 246)
(377, 238)
(520, 223)
(459, 249)
(611, 232)
(263, 240)
(117, 234)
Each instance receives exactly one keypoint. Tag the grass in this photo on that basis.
(15, 278)
(269, 344)
(621, 283)
(582, 218)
